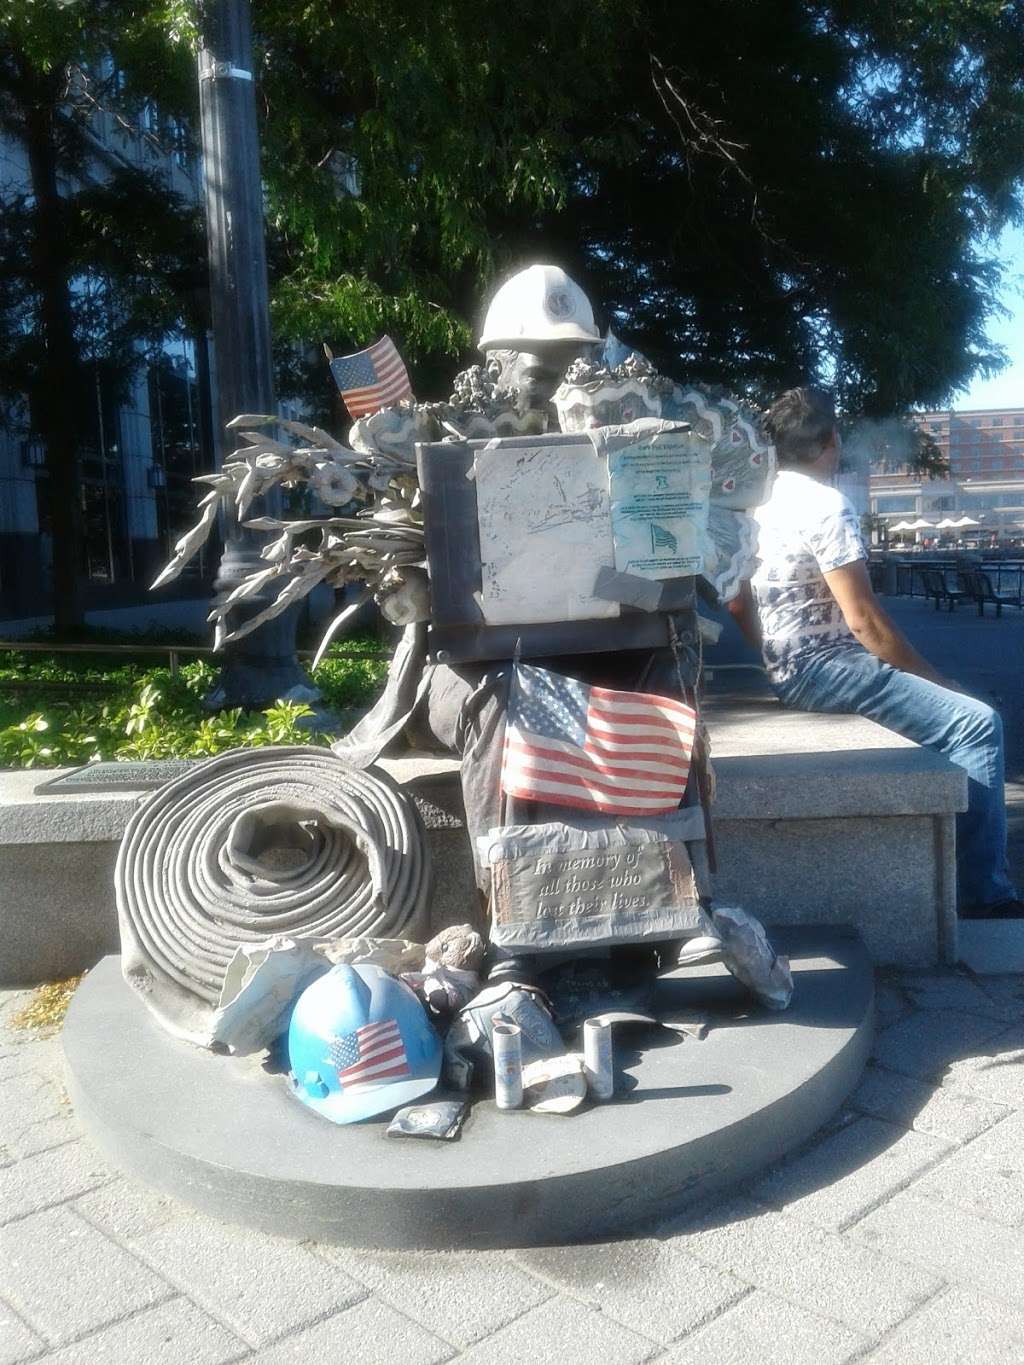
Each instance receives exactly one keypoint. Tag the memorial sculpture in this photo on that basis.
(640, 484)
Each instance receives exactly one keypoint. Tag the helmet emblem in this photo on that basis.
(559, 305)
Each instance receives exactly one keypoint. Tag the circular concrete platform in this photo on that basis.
(690, 1117)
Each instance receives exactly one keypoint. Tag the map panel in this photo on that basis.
(545, 533)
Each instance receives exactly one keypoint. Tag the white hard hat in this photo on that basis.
(541, 303)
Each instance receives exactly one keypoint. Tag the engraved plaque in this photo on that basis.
(145, 775)
(553, 887)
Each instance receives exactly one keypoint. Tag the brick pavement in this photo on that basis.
(897, 1235)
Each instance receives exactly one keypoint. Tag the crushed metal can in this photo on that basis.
(469, 1039)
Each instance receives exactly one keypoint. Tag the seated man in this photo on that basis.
(829, 645)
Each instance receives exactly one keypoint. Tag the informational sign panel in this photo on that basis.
(126, 775)
(545, 533)
(659, 488)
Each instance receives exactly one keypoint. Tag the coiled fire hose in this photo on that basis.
(256, 843)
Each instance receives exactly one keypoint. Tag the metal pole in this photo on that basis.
(263, 666)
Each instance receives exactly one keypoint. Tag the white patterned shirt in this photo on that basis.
(807, 529)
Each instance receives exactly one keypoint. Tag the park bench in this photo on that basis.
(937, 586)
(978, 585)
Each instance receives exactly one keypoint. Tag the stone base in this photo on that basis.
(57, 856)
(688, 1118)
(886, 875)
(57, 911)
(825, 819)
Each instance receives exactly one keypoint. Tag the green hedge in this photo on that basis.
(63, 710)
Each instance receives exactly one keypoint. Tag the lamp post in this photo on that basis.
(262, 667)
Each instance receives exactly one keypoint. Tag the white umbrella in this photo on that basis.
(900, 526)
(921, 525)
(966, 521)
(946, 524)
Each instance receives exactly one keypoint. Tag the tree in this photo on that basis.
(93, 265)
(756, 194)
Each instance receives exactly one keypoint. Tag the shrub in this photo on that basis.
(150, 714)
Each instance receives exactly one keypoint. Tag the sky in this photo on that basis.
(1006, 390)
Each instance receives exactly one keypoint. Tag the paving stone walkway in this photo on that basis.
(897, 1235)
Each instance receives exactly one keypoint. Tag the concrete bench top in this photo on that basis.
(46, 818)
(770, 764)
(777, 764)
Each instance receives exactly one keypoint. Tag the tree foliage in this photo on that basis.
(129, 247)
(755, 194)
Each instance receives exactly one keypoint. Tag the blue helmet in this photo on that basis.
(360, 1043)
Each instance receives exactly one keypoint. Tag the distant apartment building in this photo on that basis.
(982, 444)
(985, 483)
(139, 451)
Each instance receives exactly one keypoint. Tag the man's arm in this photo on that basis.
(872, 625)
(744, 613)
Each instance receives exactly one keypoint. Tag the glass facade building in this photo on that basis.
(141, 441)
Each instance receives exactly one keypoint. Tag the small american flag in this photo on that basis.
(661, 539)
(594, 748)
(371, 379)
(374, 1052)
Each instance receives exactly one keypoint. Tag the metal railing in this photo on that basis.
(1007, 575)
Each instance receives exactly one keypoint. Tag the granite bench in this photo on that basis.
(818, 820)
(825, 820)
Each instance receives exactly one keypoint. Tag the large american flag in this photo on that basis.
(595, 748)
(371, 379)
(374, 1052)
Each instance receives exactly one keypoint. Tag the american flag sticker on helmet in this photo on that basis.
(374, 1052)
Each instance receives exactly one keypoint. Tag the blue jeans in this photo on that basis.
(966, 731)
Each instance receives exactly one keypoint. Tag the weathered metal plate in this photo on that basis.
(117, 777)
(457, 629)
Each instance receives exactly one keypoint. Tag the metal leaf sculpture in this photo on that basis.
(187, 546)
(385, 534)
(381, 546)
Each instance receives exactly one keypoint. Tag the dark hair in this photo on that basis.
(799, 424)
